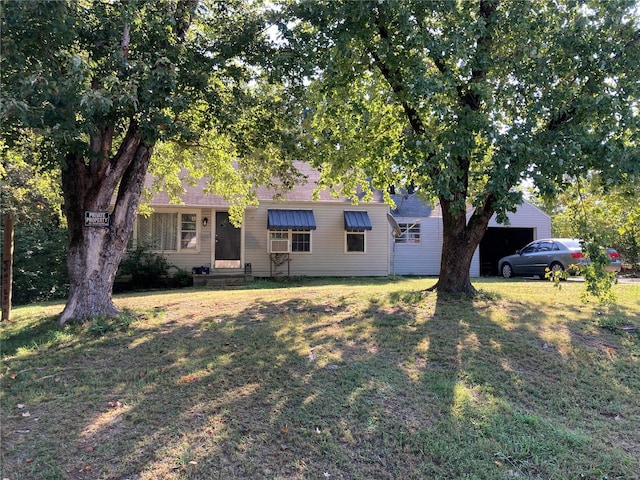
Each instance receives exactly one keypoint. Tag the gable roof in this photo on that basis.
(303, 192)
(409, 205)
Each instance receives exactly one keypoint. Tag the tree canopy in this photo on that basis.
(98, 86)
(183, 72)
(466, 100)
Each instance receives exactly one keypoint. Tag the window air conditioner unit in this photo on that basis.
(279, 246)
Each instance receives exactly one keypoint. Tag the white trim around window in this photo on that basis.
(355, 242)
(168, 231)
(411, 234)
(289, 241)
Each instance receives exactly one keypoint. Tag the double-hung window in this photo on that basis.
(410, 233)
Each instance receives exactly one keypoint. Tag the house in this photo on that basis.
(418, 249)
(295, 237)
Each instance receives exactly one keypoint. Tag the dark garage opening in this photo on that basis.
(499, 242)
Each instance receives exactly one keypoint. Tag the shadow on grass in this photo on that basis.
(405, 386)
(44, 331)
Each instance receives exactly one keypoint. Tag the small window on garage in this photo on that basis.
(410, 233)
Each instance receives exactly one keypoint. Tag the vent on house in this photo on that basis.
(279, 245)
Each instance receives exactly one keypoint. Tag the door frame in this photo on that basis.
(220, 265)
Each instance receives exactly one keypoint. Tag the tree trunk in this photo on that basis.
(7, 266)
(95, 252)
(459, 242)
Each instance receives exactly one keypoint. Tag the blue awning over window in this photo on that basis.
(356, 221)
(291, 220)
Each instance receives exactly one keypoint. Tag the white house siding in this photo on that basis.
(422, 258)
(328, 256)
(528, 216)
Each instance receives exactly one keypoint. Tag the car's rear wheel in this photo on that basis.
(556, 267)
(506, 270)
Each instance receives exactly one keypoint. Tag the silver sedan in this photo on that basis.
(555, 254)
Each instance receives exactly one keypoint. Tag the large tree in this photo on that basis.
(99, 85)
(465, 100)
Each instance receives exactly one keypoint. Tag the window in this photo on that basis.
(279, 242)
(167, 231)
(355, 242)
(356, 223)
(410, 233)
(188, 231)
(547, 247)
(159, 231)
(301, 242)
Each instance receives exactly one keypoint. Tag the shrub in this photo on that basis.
(181, 278)
(147, 269)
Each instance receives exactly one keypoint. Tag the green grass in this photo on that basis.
(332, 378)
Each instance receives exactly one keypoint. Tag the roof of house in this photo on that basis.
(195, 196)
(410, 205)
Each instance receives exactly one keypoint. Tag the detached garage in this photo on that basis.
(418, 249)
(527, 224)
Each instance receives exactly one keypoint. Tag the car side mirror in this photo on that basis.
(519, 252)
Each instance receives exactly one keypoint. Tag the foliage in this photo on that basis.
(192, 87)
(145, 267)
(466, 100)
(610, 212)
(32, 195)
(97, 86)
(39, 269)
(182, 278)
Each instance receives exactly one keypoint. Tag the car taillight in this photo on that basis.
(614, 255)
(577, 255)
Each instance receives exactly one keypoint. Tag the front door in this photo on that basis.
(227, 251)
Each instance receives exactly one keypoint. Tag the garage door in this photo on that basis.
(498, 242)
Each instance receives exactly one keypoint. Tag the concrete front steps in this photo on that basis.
(220, 279)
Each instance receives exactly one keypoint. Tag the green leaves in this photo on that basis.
(493, 92)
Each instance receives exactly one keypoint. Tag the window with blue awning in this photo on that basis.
(356, 221)
(296, 220)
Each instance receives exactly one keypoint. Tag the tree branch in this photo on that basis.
(126, 40)
(467, 93)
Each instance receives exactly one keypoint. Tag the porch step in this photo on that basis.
(220, 280)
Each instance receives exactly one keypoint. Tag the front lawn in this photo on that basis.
(327, 379)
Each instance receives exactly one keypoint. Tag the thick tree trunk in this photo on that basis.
(95, 252)
(459, 242)
(92, 265)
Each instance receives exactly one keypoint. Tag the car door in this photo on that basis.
(524, 264)
(543, 257)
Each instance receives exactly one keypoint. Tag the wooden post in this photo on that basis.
(7, 266)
